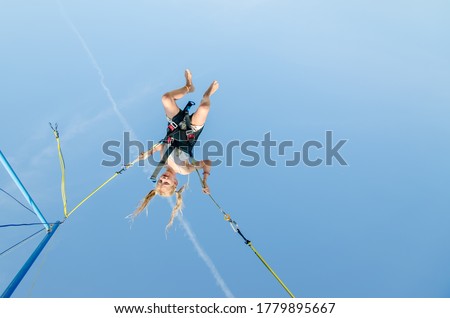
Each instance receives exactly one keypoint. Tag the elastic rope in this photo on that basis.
(63, 172)
(63, 175)
(92, 193)
(124, 168)
(270, 269)
(236, 229)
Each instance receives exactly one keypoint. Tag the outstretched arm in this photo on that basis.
(144, 155)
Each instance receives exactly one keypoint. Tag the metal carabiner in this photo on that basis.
(234, 226)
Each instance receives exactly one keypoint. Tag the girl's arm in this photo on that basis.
(144, 155)
(206, 166)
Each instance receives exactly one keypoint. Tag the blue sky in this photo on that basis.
(374, 73)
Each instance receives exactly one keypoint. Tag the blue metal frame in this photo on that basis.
(23, 271)
(23, 190)
(50, 231)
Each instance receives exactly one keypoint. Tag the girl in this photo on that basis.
(178, 161)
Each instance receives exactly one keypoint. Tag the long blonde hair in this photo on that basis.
(157, 191)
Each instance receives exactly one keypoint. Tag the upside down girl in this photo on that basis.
(179, 160)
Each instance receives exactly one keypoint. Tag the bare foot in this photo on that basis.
(189, 84)
(212, 89)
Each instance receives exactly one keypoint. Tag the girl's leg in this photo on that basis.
(169, 98)
(199, 117)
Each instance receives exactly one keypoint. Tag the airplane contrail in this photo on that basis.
(202, 254)
(209, 263)
(98, 69)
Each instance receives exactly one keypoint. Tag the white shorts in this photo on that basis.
(195, 128)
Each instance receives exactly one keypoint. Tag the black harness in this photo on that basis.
(179, 135)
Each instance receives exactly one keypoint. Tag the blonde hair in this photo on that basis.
(158, 191)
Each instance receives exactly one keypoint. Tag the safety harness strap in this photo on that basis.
(161, 163)
(179, 135)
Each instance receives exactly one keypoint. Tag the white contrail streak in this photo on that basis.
(205, 258)
(122, 119)
(202, 254)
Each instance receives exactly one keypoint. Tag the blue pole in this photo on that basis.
(23, 271)
(23, 190)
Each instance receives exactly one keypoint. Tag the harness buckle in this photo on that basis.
(169, 140)
(190, 134)
(172, 125)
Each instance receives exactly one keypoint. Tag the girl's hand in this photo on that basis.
(142, 155)
(205, 189)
